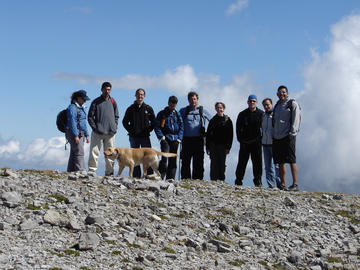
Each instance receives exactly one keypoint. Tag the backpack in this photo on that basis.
(289, 105)
(61, 119)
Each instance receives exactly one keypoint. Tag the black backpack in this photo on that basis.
(61, 119)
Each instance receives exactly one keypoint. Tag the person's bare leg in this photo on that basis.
(294, 173)
(282, 172)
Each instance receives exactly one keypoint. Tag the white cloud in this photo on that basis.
(237, 6)
(10, 148)
(329, 143)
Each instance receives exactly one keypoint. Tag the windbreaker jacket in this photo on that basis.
(192, 120)
(248, 126)
(220, 132)
(76, 119)
(103, 116)
(285, 123)
(139, 121)
(267, 128)
(169, 124)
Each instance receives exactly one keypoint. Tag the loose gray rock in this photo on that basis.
(11, 199)
(88, 241)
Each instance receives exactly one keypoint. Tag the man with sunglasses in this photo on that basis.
(248, 132)
(286, 122)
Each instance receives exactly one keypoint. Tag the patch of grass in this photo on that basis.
(335, 260)
(125, 260)
(346, 214)
(226, 211)
(32, 207)
(55, 253)
(59, 198)
(185, 185)
(48, 173)
(84, 268)
(158, 204)
(210, 216)
(55, 268)
(133, 245)
(222, 239)
(277, 266)
(116, 252)
(237, 263)
(72, 252)
(137, 268)
(110, 242)
(45, 206)
(168, 250)
(164, 217)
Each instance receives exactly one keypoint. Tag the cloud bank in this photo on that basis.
(329, 143)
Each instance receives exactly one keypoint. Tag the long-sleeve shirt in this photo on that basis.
(139, 121)
(267, 128)
(169, 124)
(248, 126)
(285, 122)
(220, 132)
(192, 124)
(76, 119)
(103, 116)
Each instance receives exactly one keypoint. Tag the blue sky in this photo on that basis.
(224, 49)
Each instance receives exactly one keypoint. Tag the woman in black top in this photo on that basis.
(219, 137)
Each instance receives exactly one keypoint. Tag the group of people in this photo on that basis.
(272, 132)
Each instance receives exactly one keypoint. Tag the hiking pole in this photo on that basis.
(179, 161)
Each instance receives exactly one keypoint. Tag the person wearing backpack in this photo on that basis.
(248, 132)
(139, 121)
(76, 130)
(103, 119)
(286, 123)
(195, 119)
(169, 129)
(219, 138)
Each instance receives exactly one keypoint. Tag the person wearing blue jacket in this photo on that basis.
(195, 119)
(169, 130)
(76, 130)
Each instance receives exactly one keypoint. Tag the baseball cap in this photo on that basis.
(83, 94)
(252, 97)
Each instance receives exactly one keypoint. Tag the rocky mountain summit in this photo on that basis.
(52, 220)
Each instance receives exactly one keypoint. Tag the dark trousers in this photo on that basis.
(140, 142)
(253, 149)
(217, 161)
(167, 166)
(192, 148)
(76, 158)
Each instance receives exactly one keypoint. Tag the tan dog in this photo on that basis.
(131, 157)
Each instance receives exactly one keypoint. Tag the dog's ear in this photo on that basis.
(117, 151)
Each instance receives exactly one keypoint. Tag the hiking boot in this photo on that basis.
(238, 182)
(281, 187)
(293, 188)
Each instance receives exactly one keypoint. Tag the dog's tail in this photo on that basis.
(166, 154)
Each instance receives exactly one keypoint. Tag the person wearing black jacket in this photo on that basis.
(219, 137)
(248, 132)
(139, 122)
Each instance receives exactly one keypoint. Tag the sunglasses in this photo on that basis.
(282, 92)
(252, 101)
